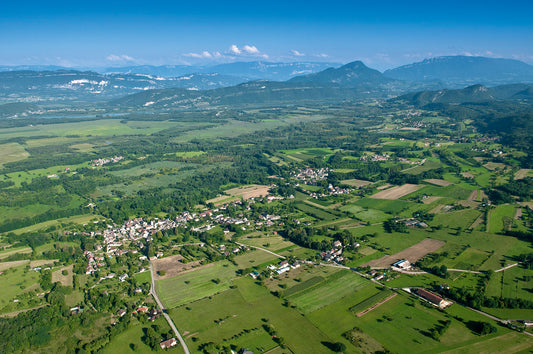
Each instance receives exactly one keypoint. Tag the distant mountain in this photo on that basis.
(72, 85)
(255, 93)
(354, 74)
(471, 94)
(258, 70)
(461, 71)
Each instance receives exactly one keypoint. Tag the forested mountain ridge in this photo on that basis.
(474, 93)
(459, 71)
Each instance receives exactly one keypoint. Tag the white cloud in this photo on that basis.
(203, 55)
(235, 50)
(322, 55)
(250, 49)
(297, 53)
(123, 57)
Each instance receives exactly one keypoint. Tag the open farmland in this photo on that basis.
(397, 192)
(195, 285)
(358, 183)
(412, 254)
(333, 289)
(172, 266)
(438, 182)
(251, 191)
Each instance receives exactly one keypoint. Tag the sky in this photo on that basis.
(383, 34)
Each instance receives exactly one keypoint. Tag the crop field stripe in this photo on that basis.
(366, 303)
(303, 286)
(377, 304)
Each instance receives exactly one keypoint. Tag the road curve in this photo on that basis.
(169, 320)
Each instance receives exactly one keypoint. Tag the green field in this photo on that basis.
(236, 316)
(501, 217)
(366, 214)
(254, 258)
(15, 282)
(455, 219)
(122, 343)
(271, 243)
(195, 285)
(333, 289)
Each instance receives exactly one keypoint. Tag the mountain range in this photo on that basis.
(352, 81)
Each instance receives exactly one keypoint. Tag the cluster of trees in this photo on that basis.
(395, 225)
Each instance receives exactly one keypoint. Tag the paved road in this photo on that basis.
(169, 320)
(262, 249)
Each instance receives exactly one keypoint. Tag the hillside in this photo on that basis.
(260, 93)
(460, 71)
(475, 93)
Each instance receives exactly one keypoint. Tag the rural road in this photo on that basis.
(169, 320)
(505, 268)
(262, 249)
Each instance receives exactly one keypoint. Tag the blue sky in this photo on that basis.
(383, 34)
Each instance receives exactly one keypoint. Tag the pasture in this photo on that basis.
(501, 218)
(236, 316)
(271, 243)
(253, 258)
(332, 289)
(195, 285)
(12, 152)
(16, 281)
(358, 183)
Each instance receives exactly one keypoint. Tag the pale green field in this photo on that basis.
(196, 285)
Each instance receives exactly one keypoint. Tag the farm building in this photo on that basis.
(403, 264)
(432, 298)
(168, 343)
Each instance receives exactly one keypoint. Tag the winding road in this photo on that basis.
(169, 320)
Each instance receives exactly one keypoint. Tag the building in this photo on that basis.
(403, 264)
(168, 343)
(432, 298)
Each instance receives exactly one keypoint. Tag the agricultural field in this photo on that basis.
(195, 285)
(334, 288)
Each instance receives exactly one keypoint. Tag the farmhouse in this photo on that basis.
(403, 264)
(168, 343)
(432, 298)
(254, 274)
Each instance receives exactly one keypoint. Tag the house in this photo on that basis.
(123, 277)
(254, 274)
(337, 244)
(168, 343)
(379, 277)
(283, 264)
(433, 299)
(121, 312)
(142, 309)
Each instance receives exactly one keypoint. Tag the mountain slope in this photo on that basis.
(353, 74)
(256, 93)
(459, 71)
(475, 93)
